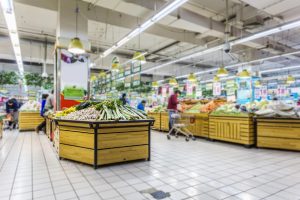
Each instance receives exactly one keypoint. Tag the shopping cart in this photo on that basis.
(180, 124)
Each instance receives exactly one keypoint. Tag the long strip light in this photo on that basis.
(10, 18)
(280, 69)
(168, 8)
(268, 32)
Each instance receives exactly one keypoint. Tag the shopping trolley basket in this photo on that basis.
(180, 124)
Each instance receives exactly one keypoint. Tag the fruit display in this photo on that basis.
(211, 106)
(195, 109)
(278, 109)
(31, 106)
(106, 110)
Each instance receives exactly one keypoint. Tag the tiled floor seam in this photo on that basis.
(11, 147)
(17, 167)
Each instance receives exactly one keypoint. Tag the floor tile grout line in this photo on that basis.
(45, 160)
(55, 153)
(20, 153)
(31, 166)
(87, 181)
(5, 140)
(12, 145)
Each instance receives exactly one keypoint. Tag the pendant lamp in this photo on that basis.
(290, 79)
(102, 74)
(173, 81)
(244, 74)
(257, 84)
(216, 79)
(115, 64)
(138, 56)
(155, 84)
(222, 72)
(192, 77)
(75, 46)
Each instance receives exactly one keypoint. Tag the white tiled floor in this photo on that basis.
(30, 169)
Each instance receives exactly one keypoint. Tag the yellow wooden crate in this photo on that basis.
(29, 120)
(278, 133)
(157, 118)
(232, 129)
(164, 121)
(198, 124)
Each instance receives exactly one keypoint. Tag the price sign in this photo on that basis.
(127, 69)
(164, 92)
(136, 67)
(127, 82)
(121, 73)
(136, 80)
(217, 89)
(108, 77)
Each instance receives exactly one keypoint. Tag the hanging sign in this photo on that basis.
(230, 87)
(217, 89)
(127, 82)
(164, 92)
(108, 77)
(121, 73)
(189, 90)
(136, 67)
(282, 91)
(264, 92)
(114, 76)
(209, 86)
(136, 80)
(127, 69)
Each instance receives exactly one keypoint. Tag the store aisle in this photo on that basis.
(30, 169)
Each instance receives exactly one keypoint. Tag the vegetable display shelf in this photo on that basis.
(28, 121)
(198, 124)
(235, 129)
(164, 121)
(157, 117)
(104, 142)
(278, 133)
(50, 127)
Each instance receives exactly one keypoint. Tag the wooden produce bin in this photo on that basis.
(199, 127)
(235, 129)
(156, 117)
(1, 130)
(104, 142)
(278, 133)
(28, 121)
(164, 121)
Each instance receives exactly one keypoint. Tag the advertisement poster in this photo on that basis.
(74, 78)
(217, 89)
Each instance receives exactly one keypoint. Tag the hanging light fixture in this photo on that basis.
(257, 84)
(192, 78)
(115, 64)
(222, 72)
(173, 81)
(290, 79)
(216, 79)
(138, 56)
(75, 46)
(102, 74)
(155, 84)
(244, 74)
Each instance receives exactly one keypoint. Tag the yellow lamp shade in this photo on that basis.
(155, 84)
(173, 81)
(93, 78)
(115, 64)
(257, 84)
(290, 79)
(76, 46)
(222, 72)
(244, 74)
(216, 79)
(102, 74)
(138, 56)
(192, 77)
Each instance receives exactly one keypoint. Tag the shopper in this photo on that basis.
(124, 99)
(42, 125)
(49, 102)
(12, 111)
(141, 105)
(172, 106)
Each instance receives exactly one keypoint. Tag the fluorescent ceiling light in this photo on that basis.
(10, 18)
(155, 18)
(280, 69)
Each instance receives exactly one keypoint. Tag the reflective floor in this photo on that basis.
(204, 170)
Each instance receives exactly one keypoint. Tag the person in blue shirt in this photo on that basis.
(141, 105)
(42, 125)
(12, 109)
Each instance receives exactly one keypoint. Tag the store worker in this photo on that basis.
(124, 99)
(42, 125)
(141, 105)
(12, 108)
(172, 106)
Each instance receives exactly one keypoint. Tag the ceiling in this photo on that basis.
(198, 24)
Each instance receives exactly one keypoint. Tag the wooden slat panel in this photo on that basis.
(124, 124)
(122, 130)
(76, 139)
(78, 129)
(122, 139)
(278, 143)
(76, 153)
(278, 132)
(73, 124)
(109, 156)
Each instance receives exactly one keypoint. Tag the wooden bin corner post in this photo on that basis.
(95, 126)
(278, 133)
(235, 129)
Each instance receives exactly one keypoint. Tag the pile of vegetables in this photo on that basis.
(278, 109)
(211, 106)
(158, 109)
(104, 110)
(195, 109)
(31, 106)
(231, 110)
